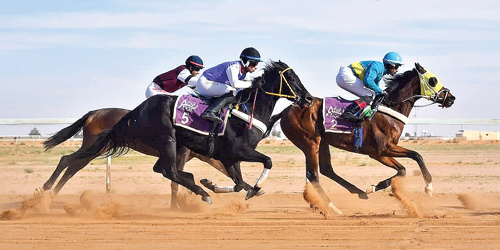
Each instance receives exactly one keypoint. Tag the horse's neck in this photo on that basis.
(405, 103)
(264, 107)
(404, 107)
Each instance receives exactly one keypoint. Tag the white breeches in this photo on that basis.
(186, 90)
(209, 88)
(348, 81)
(154, 89)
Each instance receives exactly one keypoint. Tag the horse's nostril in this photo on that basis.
(309, 98)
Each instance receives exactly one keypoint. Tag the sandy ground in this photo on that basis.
(464, 212)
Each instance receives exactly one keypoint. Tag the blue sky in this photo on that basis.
(60, 59)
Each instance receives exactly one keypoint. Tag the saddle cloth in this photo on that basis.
(187, 114)
(333, 107)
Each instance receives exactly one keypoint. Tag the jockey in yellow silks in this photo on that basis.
(362, 79)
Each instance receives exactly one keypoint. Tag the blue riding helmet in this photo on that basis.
(393, 59)
(194, 61)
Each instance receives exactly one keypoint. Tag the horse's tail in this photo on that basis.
(67, 132)
(272, 121)
(115, 141)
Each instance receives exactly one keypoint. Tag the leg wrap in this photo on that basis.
(226, 189)
(262, 178)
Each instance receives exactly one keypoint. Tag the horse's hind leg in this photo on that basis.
(166, 146)
(325, 167)
(392, 163)
(76, 166)
(64, 162)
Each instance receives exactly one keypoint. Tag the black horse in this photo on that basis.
(92, 124)
(151, 123)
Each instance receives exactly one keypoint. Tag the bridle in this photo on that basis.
(429, 92)
(282, 79)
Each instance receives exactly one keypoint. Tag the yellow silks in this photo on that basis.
(358, 68)
(425, 88)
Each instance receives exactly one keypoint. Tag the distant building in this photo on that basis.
(477, 135)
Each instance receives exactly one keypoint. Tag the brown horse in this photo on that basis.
(95, 122)
(304, 128)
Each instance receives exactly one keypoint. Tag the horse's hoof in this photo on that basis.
(371, 189)
(363, 196)
(206, 182)
(429, 190)
(207, 199)
(260, 192)
(251, 193)
(39, 192)
(334, 208)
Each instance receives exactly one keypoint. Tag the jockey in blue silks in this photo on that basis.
(362, 79)
(224, 80)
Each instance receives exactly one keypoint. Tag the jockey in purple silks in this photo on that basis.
(173, 80)
(224, 80)
(362, 79)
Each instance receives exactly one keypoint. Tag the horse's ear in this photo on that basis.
(433, 81)
(419, 68)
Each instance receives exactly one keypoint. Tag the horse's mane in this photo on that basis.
(271, 66)
(398, 80)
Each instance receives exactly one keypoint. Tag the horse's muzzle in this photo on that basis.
(306, 101)
(448, 102)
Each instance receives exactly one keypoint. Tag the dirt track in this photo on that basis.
(464, 212)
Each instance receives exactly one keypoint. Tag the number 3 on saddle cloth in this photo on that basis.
(333, 107)
(188, 111)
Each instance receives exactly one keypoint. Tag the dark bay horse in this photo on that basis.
(92, 124)
(151, 124)
(304, 128)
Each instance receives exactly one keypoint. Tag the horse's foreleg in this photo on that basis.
(219, 166)
(183, 155)
(397, 151)
(234, 172)
(312, 177)
(326, 169)
(392, 163)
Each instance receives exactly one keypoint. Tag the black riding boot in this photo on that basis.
(355, 107)
(350, 113)
(212, 112)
